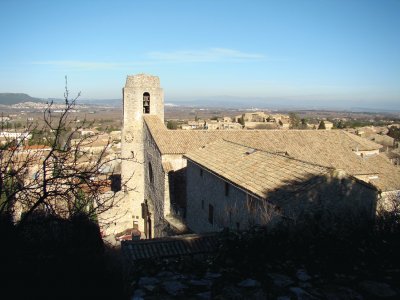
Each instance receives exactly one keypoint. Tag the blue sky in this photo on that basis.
(346, 51)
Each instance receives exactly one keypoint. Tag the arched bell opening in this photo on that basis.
(146, 103)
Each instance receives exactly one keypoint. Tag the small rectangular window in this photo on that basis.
(226, 188)
(201, 172)
(211, 214)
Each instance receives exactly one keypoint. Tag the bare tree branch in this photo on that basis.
(62, 177)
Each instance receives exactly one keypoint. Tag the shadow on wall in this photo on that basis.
(329, 201)
(336, 227)
(177, 180)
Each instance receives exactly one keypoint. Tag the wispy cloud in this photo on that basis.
(77, 64)
(208, 55)
(157, 57)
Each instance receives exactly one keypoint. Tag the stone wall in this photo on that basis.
(132, 148)
(332, 198)
(154, 182)
(176, 189)
(117, 218)
(206, 189)
(166, 192)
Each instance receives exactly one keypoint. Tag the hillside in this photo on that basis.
(14, 98)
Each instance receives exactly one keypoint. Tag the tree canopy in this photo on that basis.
(294, 120)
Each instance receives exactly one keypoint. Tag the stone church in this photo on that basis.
(158, 199)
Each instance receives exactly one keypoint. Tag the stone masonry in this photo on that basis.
(154, 194)
(132, 169)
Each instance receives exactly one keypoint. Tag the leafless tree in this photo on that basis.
(61, 177)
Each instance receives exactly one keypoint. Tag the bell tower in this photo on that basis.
(142, 95)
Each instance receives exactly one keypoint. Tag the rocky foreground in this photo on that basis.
(283, 283)
(253, 265)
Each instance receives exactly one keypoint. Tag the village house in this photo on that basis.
(229, 125)
(16, 135)
(4, 119)
(219, 124)
(222, 124)
(368, 131)
(3, 140)
(29, 149)
(383, 140)
(199, 124)
(159, 194)
(33, 167)
(93, 143)
(88, 131)
(327, 124)
(393, 156)
(257, 120)
(230, 185)
(259, 116)
(284, 123)
(378, 134)
(115, 135)
(211, 125)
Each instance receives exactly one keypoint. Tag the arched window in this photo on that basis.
(146, 103)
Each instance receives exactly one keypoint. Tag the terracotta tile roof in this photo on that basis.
(257, 171)
(188, 244)
(181, 141)
(361, 143)
(36, 147)
(327, 148)
(381, 173)
(262, 172)
(31, 148)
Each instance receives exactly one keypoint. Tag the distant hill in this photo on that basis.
(14, 98)
(289, 104)
(92, 102)
(105, 102)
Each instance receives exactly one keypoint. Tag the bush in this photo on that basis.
(172, 124)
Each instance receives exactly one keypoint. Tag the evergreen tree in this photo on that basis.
(303, 124)
(241, 120)
(321, 125)
(394, 132)
(294, 121)
(172, 124)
